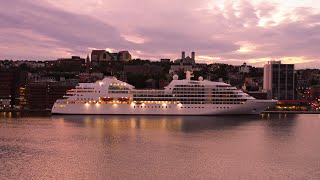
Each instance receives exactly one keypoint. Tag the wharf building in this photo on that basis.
(42, 95)
(12, 89)
(279, 80)
(19, 91)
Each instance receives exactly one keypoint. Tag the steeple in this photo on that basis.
(88, 59)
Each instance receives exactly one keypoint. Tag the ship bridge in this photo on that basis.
(111, 83)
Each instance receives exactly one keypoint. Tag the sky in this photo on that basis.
(219, 31)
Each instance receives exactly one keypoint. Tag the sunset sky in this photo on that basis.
(223, 31)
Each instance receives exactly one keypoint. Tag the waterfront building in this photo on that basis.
(30, 64)
(244, 68)
(75, 63)
(279, 80)
(315, 92)
(71, 61)
(180, 67)
(151, 84)
(114, 56)
(146, 69)
(163, 83)
(42, 95)
(258, 94)
(121, 75)
(10, 88)
(165, 61)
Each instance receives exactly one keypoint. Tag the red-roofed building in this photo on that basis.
(124, 56)
(98, 56)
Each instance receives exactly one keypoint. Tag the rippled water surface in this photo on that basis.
(146, 147)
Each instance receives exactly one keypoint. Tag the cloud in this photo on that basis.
(66, 30)
(219, 31)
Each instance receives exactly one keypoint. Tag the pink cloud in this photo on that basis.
(161, 29)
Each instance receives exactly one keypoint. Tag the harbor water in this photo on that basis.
(40, 146)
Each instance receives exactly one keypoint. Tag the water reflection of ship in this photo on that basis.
(170, 123)
(281, 124)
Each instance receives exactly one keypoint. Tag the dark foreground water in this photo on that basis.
(146, 147)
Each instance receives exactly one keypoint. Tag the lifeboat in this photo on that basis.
(138, 102)
(107, 99)
(123, 99)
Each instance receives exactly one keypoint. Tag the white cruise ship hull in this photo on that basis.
(249, 107)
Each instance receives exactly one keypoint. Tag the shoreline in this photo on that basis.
(291, 112)
(25, 110)
(49, 110)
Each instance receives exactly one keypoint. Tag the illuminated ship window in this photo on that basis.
(115, 86)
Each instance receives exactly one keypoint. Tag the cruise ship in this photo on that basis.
(111, 96)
